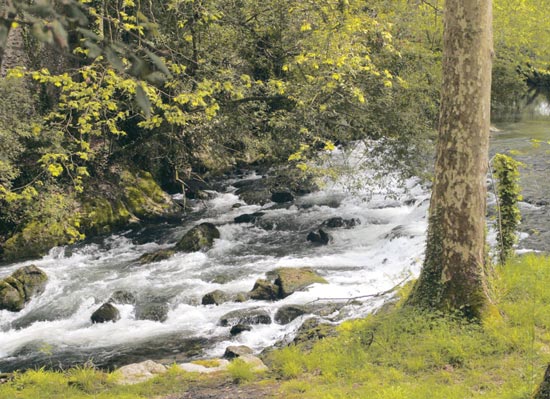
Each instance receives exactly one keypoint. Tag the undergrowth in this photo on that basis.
(406, 353)
(397, 353)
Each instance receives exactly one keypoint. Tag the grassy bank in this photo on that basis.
(400, 353)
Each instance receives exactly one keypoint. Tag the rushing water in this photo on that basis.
(55, 329)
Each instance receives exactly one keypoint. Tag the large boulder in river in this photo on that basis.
(286, 314)
(319, 237)
(18, 289)
(281, 197)
(290, 280)
(199, 238)
(248, 217)
(264, 290)
(245, 316)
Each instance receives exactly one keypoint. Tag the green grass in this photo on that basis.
(398, 353)
(405, 353)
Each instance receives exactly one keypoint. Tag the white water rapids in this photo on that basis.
(55, 327)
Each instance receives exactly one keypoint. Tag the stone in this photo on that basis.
(264, 290)
(19, 288)
(139, 372)
(318, 238)
(245, 316)
(106, 312)
(199, 238)
(197, 367)
(286, 314)
(248, 217)
(216, 297)
(241, 297)
(157, 256)
(154, 311)
(313, 330)
(255, 362)
(232, 352)
(282, 196)
(290, 280)
(239, 328)
(338, 222)
(122, 297)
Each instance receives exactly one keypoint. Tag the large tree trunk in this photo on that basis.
(452, 277)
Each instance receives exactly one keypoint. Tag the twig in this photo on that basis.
(377, 295)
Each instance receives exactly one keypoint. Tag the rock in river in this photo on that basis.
(291, 279)
(199, 238)
(18, 289)
(246, 317)
(106, 312)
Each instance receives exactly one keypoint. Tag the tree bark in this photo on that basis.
(452, 278)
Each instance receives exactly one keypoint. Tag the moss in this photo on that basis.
(209, 363)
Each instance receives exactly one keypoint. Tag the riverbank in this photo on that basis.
(396, 353)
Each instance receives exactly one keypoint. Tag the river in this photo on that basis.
(54, 329)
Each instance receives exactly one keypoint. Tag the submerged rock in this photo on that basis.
(239, 328)
(199, 238)
(106, 312)
(122, 297)
(157, 256)
(338, 222)
(319, 238)
(246, 317)
(248, 217)
(154, 310)
(264, 290)
(216, 297)
(18, 289)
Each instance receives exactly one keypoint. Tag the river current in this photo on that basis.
(54, 329)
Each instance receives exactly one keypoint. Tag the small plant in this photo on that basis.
(240, 371)
(506, 172)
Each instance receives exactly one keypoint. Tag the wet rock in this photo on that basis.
(232, 352)
(239, 328)
(290, 280)
(264, 290)
(256, 194)
(282, 196)
(139, 372)
(19, 288)
(248, 217)
(245, 316)
(199, 238)
(319, 238)
(122, 297)
(154, 310)
(106, 312)
(242, 297)
(216, 297)
(397, 232)
(237, 205)
(338, 222)
(288, 313)
(195, 189)
(157, 256)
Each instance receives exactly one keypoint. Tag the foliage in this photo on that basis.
(506, 172)
(406, 353)
(241, 371)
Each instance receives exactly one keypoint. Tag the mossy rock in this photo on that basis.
(216, 297)
(199, 238)
(264, 290)
(19, 288)
(35, 240)
(12, 295)
(157, 256)
(290, 280)
(313, 330)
